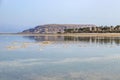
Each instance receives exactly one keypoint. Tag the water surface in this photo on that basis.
(59, 58)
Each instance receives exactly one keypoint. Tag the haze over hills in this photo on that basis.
(35, 12)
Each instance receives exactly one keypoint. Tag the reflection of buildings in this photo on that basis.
(46, 38)
(100, 40)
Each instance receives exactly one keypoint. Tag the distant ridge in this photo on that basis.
(56, 28)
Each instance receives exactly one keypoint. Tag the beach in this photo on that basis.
(70, 34)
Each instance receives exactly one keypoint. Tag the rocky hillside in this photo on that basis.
(55, 28)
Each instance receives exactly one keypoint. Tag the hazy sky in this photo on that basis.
(16, 15)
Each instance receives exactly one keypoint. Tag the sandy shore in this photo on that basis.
(71, 34)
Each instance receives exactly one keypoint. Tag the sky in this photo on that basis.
(17, 15)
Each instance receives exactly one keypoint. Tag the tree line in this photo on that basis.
(99, 29)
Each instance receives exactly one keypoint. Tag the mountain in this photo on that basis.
(56, 28)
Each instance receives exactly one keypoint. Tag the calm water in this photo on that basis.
(59, 58)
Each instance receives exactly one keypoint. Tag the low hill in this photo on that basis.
(56, 28)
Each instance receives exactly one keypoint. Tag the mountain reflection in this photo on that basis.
(100, 40)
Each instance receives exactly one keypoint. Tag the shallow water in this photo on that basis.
(59, 58)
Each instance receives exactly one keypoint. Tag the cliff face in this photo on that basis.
(56, 28)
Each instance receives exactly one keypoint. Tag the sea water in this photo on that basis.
(59, 58)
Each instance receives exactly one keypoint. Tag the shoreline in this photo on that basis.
(69, 34)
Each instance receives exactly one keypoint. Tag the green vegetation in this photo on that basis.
(100, 29)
